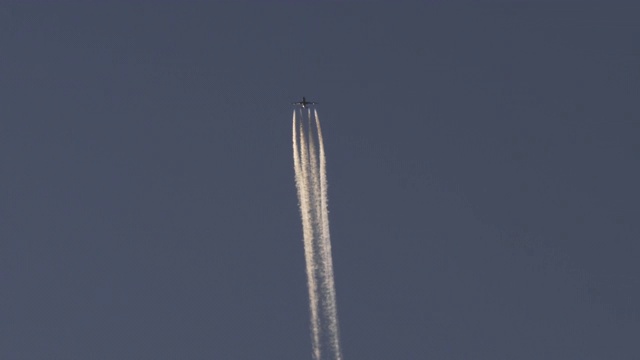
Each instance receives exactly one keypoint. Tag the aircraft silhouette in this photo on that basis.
(304, 102)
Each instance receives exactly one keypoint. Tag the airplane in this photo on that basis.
(304, 102)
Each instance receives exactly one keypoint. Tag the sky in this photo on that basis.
(482, 161)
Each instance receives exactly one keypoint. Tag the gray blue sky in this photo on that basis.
(482, 165)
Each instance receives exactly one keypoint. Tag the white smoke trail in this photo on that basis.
(307, 231)
(311, 182)
(327, 261)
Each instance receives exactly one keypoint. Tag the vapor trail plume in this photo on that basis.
(327, 260)
(311, 182)
(307, 233)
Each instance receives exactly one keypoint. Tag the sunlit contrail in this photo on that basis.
(311, 182)
(327, 261)
(307, 232)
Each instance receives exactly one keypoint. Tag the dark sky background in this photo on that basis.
(482, 165)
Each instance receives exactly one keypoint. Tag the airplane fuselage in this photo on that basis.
(304, 103)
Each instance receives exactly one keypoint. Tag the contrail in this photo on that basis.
(311, 182)
(327, 261)
(307, 232)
